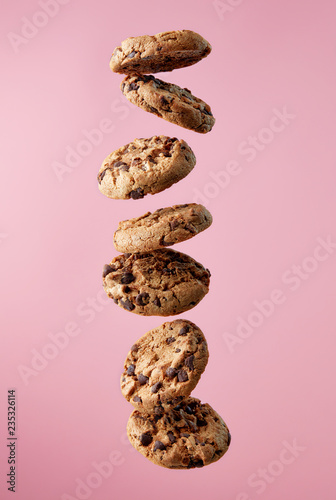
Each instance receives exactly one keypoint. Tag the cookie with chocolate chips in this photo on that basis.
(162, 52)
(158, 283)
(164, 366)
(168, 101)
(145, 166)
(162, 228)
(190, 435)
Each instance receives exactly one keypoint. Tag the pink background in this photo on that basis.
(274, 386)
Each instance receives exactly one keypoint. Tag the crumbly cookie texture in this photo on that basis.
(190, 435)
(145, 166)
(162, 228)
(168, 101)
(158, 283)
(162, 52)
(164, 366)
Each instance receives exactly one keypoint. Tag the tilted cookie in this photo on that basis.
(145, 166)
(164, 366)
(162, 228)
(190, 435)
(158, 283)
(162, 52)
(168, 101)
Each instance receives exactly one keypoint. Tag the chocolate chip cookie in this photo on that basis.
(164, 366)
(190, 435)
(162, 52)
(168, 101)
(162, 228)
(145, 166)
(158, 283)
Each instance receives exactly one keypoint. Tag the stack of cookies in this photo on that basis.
(163, 367)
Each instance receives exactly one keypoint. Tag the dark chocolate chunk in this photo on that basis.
(174, 224)
(130, 370)
(190, 228)
(142, 299)
(133, 86)
(170, 340)
(134, 348)
(118, 164)
(182, 376)
(127, 304)
(158, 445)
(171, 437)
(184, 330)
(136, 194)
(229, 439)
(107, 270)
(189, 362)
(157, 302)
(132, 54)
(185, 434)
(145, 439)
(101, 176)
(142, 379)
(171, 372)
(156, 387)
(136, 399)
(177, 350)
(127, 278)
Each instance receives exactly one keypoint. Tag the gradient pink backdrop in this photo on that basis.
(275, 386)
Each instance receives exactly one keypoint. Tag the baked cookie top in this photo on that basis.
(168, 101)
(158, 283)
(190, 435)
(164, 366)
(162, 228)
(145, 166)
(162, 52)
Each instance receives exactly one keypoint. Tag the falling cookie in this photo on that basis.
(162, 52)
(145, 166)
(190, 435)
(164, 366)
(162, 228)
(158, 283)
(168, 101)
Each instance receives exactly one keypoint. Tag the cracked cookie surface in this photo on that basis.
(164, 366)
(162, 228)
(190, 435)
(158, 283)
(162, 52)
(168, 101)
(145, 166)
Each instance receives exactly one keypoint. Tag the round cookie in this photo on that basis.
(164, 366)
(158, 283)
(162, 52)
(168, 101)
(145, 166)
(162, 228)
(190, 435)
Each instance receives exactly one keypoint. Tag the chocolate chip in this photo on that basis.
(133, 86)
(130, 370)
(201, 423)
(115, 300)
(177, 350)
(182, 376)
(159, 411)
(127, 278)
(136, 399)
(171, 372)
(171, 437)
(207, 112)
(184, 330)
(188, 410)
(127, 304)
(197, 463)
(118, 164)
(158, 445)
(229, 440)
(134, 348)
(142, 379)
(123, 87)
(189, 362)
(154, 110)
(132, 54)
(136, 194)
(101, 176)
(157, 302)
(190, 228)
(174, 224)
(171, 340)
(185, 434)
(142, 299)
(107, 270)
(156, 387)
(126, 289)
(146, 439)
